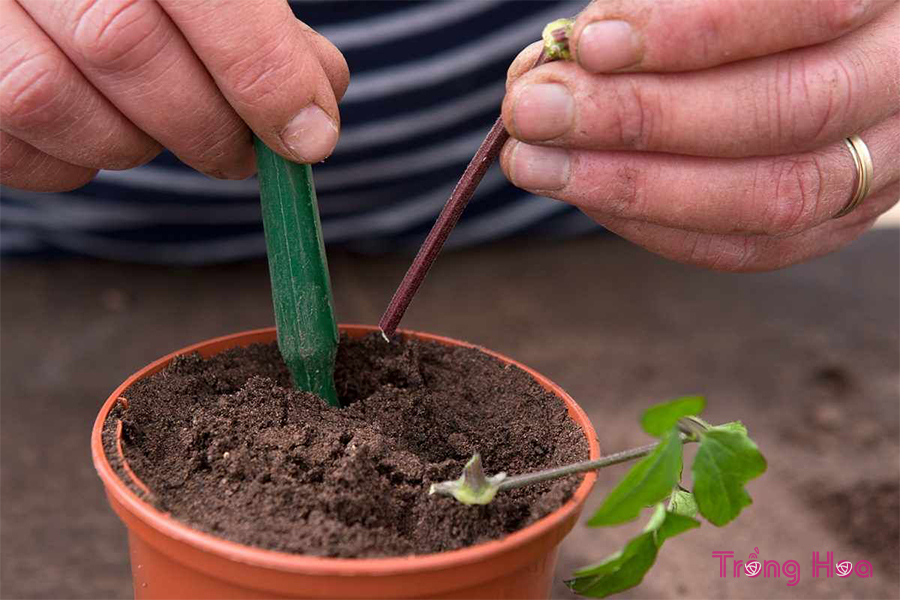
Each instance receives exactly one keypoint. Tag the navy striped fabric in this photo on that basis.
(427, 79)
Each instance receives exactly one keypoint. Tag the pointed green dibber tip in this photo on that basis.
(298, 269)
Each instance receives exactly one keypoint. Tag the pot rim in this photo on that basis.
(326, 566)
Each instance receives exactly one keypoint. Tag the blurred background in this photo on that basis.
(806, 357)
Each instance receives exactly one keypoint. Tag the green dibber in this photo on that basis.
(301, 290)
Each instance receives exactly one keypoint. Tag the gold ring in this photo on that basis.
(862, 160)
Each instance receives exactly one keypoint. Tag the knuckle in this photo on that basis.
(263, 71)
(828, 94)
(810, 101)
(29, 89)
(797, 197)
(107, 33)
(636, 114)
(624, 192)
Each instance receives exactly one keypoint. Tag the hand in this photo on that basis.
(106, 84)
(711, 131)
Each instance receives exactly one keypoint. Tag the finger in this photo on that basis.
(649, 35)
(263, 62)
(523, 62)
(24, 167)
(331, 60)
(780, 195)
(134, 54)
(47, 103)
(742, 253)
(789, 102)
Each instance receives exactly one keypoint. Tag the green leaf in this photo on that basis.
(726, 460)
(657, 518)
(648, 482)
(626, 568)
(667, 524)
(735, 426)
(674, 524)
(659, 419)
(683, 503)
(620, 571)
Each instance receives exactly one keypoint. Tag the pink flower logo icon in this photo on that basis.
(752, 569)
(844, 568)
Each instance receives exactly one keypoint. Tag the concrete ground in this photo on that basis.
(807, 357)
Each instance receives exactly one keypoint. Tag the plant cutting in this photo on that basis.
(726, 460)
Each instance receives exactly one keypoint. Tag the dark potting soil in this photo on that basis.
(228, 447)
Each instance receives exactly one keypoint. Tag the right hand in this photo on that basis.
(712, 131)
(106, 84)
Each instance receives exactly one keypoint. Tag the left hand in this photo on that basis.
(712, 131)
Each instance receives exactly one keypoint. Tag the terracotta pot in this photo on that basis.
(171, 560)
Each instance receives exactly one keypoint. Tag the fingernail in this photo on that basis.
(538, 167)
(543, 111)
(608, 45)
(311, 135)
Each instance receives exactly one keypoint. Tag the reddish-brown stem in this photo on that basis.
(485, 156)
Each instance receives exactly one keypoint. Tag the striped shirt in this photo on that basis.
(427, 80)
